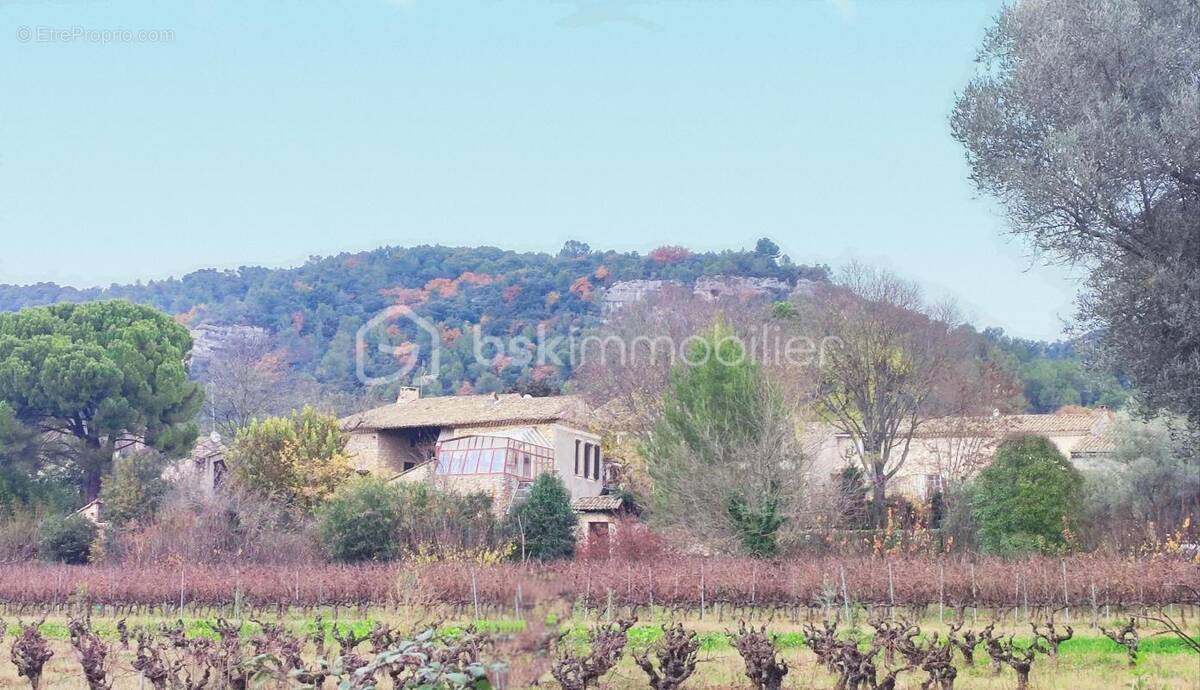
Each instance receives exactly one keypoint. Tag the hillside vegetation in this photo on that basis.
(310, 314)
(314, 311)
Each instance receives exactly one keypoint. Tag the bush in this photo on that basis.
(134, 489)
(361, 521)
(66, 539)
(1028, 499)
(299, 459)
(232, 525)
(631, 541)
(368, 519)
(544, 525)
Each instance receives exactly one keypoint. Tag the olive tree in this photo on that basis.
(1084, 121)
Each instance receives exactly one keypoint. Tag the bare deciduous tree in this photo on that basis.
(246, 379)
(888, 371)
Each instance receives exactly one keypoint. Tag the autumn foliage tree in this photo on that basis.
(299, 459)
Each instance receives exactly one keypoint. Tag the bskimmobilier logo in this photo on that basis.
(405, 356)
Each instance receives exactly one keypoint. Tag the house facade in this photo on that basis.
(497, 444)
(954, 449)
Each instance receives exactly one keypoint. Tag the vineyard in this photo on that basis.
(831, 622)
(681, 584)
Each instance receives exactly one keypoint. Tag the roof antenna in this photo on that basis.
(213, 435)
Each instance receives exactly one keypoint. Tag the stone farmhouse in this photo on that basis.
(493, 443)
(955, 448)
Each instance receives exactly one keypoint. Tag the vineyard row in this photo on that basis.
(682, 583)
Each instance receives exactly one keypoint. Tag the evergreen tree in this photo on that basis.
(361, 521)
(723, 455)
(544, 524)
(1028, 499)
(101, 374)
(134, 489)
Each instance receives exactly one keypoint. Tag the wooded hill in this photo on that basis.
(313, 312)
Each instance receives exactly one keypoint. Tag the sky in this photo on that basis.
(145, 139)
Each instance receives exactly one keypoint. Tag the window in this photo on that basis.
(934, 483)
(596, 464)
(587, 459)
(493, 455)
(577, 442)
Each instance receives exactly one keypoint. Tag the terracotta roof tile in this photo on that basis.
(472, 410)
(597, 503)
(1004, 425)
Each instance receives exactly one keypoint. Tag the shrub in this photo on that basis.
(544, 525)
(631, 541)
(233, 524)
(66, 539)
(368, 519)
(361, 521)
(134, 489)
(299, 459)
(1028, 499)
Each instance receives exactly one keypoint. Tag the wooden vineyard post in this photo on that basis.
(974, 598)
(475, 593)
(1095, 608)
(702, 590)
(941, 592)
(845, 595)
(753, 583)
(650, 585)
(1025, 591)
(1016, 599)
(587, 594)
(891, 594)
(1066, 596)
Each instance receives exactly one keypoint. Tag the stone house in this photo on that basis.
(955, 448)
(493, 443)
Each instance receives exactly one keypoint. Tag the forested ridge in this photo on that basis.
(313, 311)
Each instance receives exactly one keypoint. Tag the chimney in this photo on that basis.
(408, 394)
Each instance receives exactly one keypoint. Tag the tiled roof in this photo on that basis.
(1102, 444)
(589, 504)
(1003, 425)
(472, 410)
(207, 447)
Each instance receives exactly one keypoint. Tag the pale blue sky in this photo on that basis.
(267, 131)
